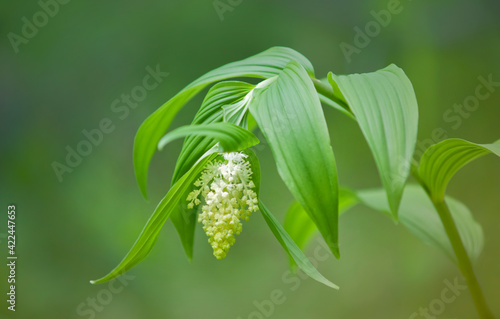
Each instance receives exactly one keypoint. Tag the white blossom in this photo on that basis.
(227, 189)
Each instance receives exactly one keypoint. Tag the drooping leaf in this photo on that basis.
(292, 249)
(419, 216)
(385, 107)
(230, 137)
(289, 114)
(441, 161)
(184, 220)
(194, 146)
(263, 65)
(299, 225)
(143, 245)
(294, 252)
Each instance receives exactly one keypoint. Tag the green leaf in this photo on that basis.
(301, 227)
(211, 111)
(184, 220)
(385, 107)
(291, 248)
(419, 216)
(231, 137)
(442, 160)
(263, 65)
(289, 114)
(194, 146)
(294, 252)
(143, 245)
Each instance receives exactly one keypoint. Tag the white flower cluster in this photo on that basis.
(226, 187)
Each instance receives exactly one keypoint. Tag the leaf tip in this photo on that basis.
(334, 248)
(189, 255)
(144, 192)
(330, 284)
(394, 200)
(335, 287)
(163, 141)
(97, 281)
(141, 181)
(142, 185)
(336, 253)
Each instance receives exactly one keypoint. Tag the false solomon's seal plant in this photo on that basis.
(216, 180)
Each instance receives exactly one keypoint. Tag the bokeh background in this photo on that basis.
(65, 78)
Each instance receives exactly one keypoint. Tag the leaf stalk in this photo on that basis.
(326, 90)
(463, 260)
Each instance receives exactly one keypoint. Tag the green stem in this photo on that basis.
(326, 91)
(464, 263)
(463, 259)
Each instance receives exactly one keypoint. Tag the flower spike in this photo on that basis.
(227, 190)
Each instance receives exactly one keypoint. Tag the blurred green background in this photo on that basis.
(64, 79)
